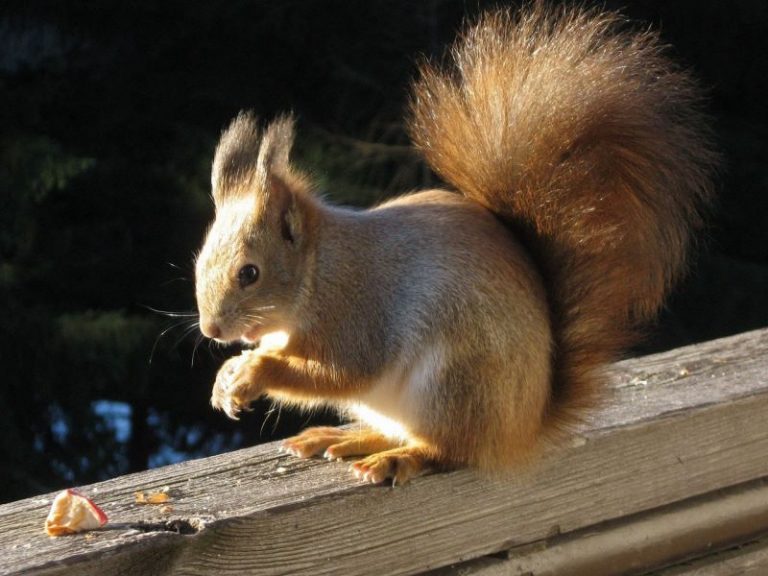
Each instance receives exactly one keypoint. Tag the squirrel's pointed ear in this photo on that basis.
(275, 148)
(281, 186)
(234, 163)
(288, 208)
(245, 159)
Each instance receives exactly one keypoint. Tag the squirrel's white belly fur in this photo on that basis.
(395, 405)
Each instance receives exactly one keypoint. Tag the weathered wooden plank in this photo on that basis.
(692, 528)
(679, 424)
(748, 560)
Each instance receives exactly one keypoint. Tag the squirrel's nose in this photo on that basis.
(210, 329)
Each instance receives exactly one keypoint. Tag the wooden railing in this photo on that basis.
(669, 476)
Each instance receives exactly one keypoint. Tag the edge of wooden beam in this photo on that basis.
(635, 545)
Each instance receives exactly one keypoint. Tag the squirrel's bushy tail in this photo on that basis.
(590, 143)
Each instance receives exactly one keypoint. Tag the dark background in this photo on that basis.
(109, 114)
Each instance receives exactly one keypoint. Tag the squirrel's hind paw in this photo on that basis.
(336, 443)
(386, 458)
(399, 464)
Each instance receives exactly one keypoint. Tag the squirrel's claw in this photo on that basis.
(234, 388)
(399, 465)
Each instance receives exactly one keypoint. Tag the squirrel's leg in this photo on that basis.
(337, 443)
(300, 378)
(254, 373)
(242, 379)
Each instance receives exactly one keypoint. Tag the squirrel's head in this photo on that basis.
(251, 269)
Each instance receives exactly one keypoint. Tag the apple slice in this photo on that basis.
(72, 512)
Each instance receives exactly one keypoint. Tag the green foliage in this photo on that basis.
(31, 167)
(105, 347)
(37, 165)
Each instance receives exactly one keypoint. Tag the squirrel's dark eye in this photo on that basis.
(248, 274)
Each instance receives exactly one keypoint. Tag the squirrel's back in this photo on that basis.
(591, 145)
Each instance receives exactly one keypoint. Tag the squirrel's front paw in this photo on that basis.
(236, 384)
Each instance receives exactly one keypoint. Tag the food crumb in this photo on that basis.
(151, 498)
(72, 512)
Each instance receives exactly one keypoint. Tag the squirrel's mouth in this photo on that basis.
(266, 340)
(253, 334)
(265, 337)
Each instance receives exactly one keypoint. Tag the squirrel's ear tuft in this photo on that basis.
(275, 148)
(235, 160)
(245, 158)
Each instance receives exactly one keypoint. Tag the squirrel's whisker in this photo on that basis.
(173, 326)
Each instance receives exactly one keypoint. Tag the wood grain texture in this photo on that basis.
(678, 424)
(748, 560)
(632, 546)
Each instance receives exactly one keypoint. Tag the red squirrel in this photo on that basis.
(465, 327)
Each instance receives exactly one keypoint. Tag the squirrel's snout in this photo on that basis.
(210, 329)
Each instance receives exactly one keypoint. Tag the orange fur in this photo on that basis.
(459, 339)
